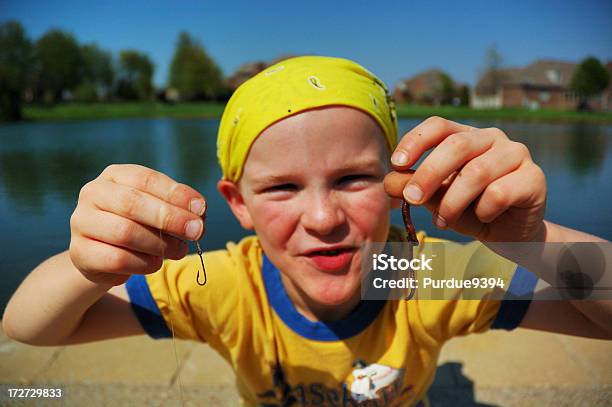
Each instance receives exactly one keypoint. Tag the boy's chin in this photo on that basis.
(334, 297)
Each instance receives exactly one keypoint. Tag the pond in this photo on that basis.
(44, 165)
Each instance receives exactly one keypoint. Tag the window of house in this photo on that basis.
(553, 75)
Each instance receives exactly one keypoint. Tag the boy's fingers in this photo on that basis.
(145, 209)
(467, 224)
(395, 181)
(93, 256)
(450, 155)
(423, 137)
(125, 233)
(472, 179)
(514, 189)
(157, 184)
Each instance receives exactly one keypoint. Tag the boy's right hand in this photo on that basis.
(115, 228)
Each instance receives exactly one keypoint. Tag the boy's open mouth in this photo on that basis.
(332, 259)
(333, 252)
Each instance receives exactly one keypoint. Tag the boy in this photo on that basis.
(304, 147)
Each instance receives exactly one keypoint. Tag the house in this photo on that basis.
(606, 97)
(248, 70)
(541, 84)
(433, 87)
(243, 73)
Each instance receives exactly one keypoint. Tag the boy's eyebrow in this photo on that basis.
(269, 179)
(359, 165)
(356, 165)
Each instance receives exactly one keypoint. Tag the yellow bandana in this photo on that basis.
(293, 86)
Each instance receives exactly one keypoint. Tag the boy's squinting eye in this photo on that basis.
(281, 188)
(355, 179)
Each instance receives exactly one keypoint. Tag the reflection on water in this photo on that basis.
(587, 149)
(578, 148)
(44, 165)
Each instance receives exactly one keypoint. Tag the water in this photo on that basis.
(44, 165)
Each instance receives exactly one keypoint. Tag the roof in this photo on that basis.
(541, 73)
(250, 69)
(423, 82)
(431, 74)
(245, 72)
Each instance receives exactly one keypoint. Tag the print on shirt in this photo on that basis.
(371, 381)
(368, 385)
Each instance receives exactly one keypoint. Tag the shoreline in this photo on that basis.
(518, 368)
(213, 110)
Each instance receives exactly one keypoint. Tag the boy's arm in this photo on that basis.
(57, 305)
(480, 183)
(571, 317)
(588, 318)
(126, 222)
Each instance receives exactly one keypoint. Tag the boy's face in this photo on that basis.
(312, 190)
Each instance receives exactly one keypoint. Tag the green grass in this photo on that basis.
(88, 111)
(506, 114)
(116, 110)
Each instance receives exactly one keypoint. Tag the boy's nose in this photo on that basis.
(322, 215)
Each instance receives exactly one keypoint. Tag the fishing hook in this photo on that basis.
(199, 251)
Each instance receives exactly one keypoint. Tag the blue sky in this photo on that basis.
(392, 39)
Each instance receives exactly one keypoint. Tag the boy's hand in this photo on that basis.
(475, 181)
(115, 228)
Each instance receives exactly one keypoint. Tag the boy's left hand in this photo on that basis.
(475, 181)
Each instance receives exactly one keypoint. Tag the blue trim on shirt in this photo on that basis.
(355, 322)
(145, 308)
(516, 300)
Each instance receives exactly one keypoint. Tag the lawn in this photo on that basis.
(87, 111)
(516, 114)
(84, 111)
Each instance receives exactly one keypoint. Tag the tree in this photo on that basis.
(447, 89)
(135, 76)
(96, 73)
(464, 96)
(193, 73)
(492, 78)
(59, 59)
(590, 79)
(15, 61)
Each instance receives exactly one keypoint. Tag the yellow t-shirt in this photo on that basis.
(385, 351)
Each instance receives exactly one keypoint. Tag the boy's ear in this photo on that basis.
(235, 200)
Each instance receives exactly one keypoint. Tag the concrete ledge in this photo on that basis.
(519, 368)
(128, 395)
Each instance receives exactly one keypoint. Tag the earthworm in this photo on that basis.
(412, 238)
(410, 230)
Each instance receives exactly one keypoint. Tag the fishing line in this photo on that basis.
(176, 358)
